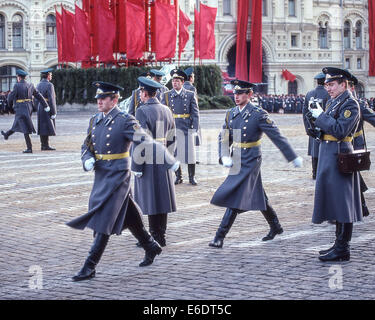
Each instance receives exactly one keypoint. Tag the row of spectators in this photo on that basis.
(4, 107)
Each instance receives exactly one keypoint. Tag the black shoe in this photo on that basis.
(191, 172)
(27, 151)
(4, 134)
(152, 251)
(84, 274)
(178, 180)
(178, 176)
(48, 148)
(365, 211)
(337, 254)
(341, 251)
(192, 181)
(272, 234)
(323, 252)
(216, 243)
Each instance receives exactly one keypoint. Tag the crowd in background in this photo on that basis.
(4, 106)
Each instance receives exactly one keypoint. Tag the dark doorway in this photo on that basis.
(292, 87)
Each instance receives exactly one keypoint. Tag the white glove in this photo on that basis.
(175, 166)
(317, 111)
(138, 174)
(48, 109)
(89, 164)
(227, 161)
(53, 117)
(297, 162)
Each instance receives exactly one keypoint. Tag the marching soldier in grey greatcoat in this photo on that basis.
(368, 115)
(184, 106)
(337, 195)
(243, 190)
(21, 100)
(46, 119)
(111, 204)
(157, 75)
(153, 176)
(320, 95)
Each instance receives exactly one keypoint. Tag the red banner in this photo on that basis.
(105, 30)
(59, 35)
(371, 28)
(207, 32)
(183, 36)
(241, 47)
(68, 36)
(196, 34)
(288, 75)
(255, 71)
(165, 31)
(135, 30)
(81, 35)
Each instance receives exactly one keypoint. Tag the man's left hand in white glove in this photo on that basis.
(315, 112)
(138, 174)
(53, 117)
(48, 109)
(298, 162)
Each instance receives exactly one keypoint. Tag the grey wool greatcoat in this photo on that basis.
(184, 107)
(243, 188)
(111, 196)
(135, 101)
(46, 126)
(190, 87)
(21, 101)
(322, 95)
(154, 191)
(337, 195)
(368, 115)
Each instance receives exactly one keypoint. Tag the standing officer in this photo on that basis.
(135, 100)
(153, 176)
(111, 205)
(337, 195)
(46, 120)
(21, 100)
(243, 190)
(368, 115)
(321, 96)
(184, 106)
(189, 83)
(157, 75)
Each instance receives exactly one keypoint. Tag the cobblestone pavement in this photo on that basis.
(39, 192)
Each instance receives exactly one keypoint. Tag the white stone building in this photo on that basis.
(302, 36)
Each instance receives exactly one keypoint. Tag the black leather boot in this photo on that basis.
(275, 227)
(314, 163)
(147, 242)
(97, 249)
(28, 144)
(154, 226)
(178, 176)
(163, 218)
(365, 211)
(45, 144)
(191, 171)
(338, 231)
(341, 251)
(225, 225)
(7, 134)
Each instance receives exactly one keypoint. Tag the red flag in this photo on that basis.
(68, 36)
(165, 31)
(183, 36)
(135, 30)
(241, 47)
(121, 26)
(255, 72)
(105, 30)
(60, 53)
(371, 21)
(207, 32)
(288, 75)
(82, 35)
(196, 34)
(86, 5)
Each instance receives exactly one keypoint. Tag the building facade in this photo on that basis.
(302, 36)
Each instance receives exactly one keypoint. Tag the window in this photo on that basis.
(264, 8)
(358, 35)
(293, 41)
(359, 63)
(347, 35)
(17, 28)
(7, 77)
(292, 8)
(51, 38)
(323, 38)
(347, 63)
(2, 32)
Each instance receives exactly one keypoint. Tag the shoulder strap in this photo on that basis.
(166, 99)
